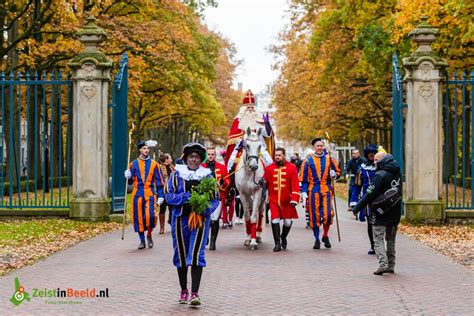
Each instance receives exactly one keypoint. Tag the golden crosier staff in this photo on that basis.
(126, 180)
(334, 189)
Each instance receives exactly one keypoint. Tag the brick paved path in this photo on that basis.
(238, 281)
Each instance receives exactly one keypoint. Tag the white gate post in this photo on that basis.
(91, 77)
(424, 143)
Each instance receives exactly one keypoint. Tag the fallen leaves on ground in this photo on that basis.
(23, 242)
(455, 241)
(342, 190)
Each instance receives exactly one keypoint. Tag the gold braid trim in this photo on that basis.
(233, 140)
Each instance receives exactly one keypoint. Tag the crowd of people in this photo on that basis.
(374, 196)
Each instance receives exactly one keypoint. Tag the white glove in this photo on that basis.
(352, 204)
(127, 174)
(151, 143)
(304, 195)
(332, 173)
(160, 201)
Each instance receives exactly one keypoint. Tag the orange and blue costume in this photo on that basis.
(148, 182)
(316, 183)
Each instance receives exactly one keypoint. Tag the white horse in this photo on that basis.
(249, 182)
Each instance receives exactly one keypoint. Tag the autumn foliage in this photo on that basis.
(178, 69)
(335, 62)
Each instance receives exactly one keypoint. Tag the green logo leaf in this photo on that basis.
(20, 294)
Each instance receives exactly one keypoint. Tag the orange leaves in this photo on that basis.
(455, 241)
(335, 62)
(227, 98)
(296, 93)
(173, 59)
(453, 19)
(172, 62)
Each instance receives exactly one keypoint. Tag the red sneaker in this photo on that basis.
(184, 297)
(195, 300)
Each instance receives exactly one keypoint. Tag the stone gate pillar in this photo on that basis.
(423, 147)
(91, 77)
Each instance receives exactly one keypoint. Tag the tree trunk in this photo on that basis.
(450, 145)
(3, 11)
(467, 156)
(33, 132)
(12, 120)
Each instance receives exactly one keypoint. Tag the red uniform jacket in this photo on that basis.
(283, 187)
(219, 171)
(235, 134)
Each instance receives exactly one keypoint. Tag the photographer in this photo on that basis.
(385, 215)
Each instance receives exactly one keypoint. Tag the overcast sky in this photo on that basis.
(252, 25)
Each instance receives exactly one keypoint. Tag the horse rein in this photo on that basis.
(248, 158)
(252, 157)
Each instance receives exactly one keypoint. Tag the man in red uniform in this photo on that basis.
(281, 180)
(219, 171)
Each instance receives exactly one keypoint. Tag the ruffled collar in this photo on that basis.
(186, 174)
(368, 167)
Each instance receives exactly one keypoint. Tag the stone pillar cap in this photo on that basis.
(91, 29)
(424, 28)
(91, 36)
(424, 35)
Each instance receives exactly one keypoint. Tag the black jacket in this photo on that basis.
(353, 166)
(387, 171)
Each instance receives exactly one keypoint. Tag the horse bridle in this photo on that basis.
(247, 157)
(252, 157)
(247, 160)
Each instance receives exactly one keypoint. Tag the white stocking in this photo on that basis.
(217, 213)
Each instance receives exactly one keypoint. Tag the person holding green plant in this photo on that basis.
(193, 193)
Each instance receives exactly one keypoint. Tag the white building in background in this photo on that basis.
(263, 104)
(23, 147)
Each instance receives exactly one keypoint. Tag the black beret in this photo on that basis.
(194, 148)
(317, 139)
(372, 148)
(141, 144)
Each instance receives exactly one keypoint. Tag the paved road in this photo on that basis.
(239, 281)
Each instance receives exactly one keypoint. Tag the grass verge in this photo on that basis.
(23, 242)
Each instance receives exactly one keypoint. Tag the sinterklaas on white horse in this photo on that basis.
(249, 182)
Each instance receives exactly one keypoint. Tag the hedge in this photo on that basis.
(459, 181)
(31, 184)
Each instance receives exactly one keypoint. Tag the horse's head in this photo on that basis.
(252, 147)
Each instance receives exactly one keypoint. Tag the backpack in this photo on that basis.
(385, 201)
